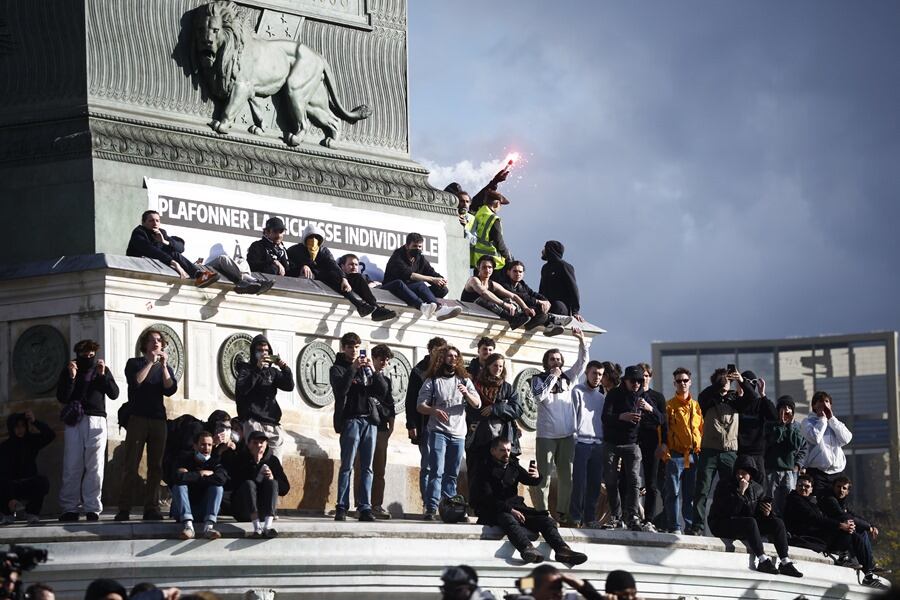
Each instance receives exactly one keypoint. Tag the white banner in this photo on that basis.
(214, 221)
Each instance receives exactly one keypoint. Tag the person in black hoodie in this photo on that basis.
(495, 498)
(258, 479)
(268, 254)
(623, 410)
(84, 382)
(740, 511)
(757, 412)
(198, 483)
(312, 260)
(150, 241)
(558, 282)
(409, 276)
(416, 422)
(19, 477)
(258, 381)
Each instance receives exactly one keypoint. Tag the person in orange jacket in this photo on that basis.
(680, 451)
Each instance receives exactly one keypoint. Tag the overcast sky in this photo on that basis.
(716, 170)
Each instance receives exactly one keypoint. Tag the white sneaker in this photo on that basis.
(447, 312)
(209, 531)
(32, 519)
(187, 532)
(428, 309)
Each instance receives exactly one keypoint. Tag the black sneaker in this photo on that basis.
(265, 285)
(366, 515)
(122, 515)
(365, 309)
(247, 287)
(69, 517)
(518, 321)
(383, 314)
(429, 515)
(553, 330)
(568, 556)
(153, 515)
(340, 514)
(767, 566)
(92, 516)
(789, 569)
(531, 555)
(536, 321)
(870, 580)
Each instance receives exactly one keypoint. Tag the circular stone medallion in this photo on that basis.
(398, 370)
(39, 356)
(235, 349)
(174, 347)
(313, 365)
(522, 385)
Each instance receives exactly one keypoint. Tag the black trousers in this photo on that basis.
(822, 481)
(751, 531)
(518, 533)
(650, 467)
(558, 307)
(29, 490)
(252, 497)
(858, 543)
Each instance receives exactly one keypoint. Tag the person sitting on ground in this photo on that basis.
(445, 392)
(256, 479)
(311, 259)
(758, 411)
(461, 583)
(489, 294)
(587, 466)
(182, 431)
(416, 422)
(486, 347)
(488, 232)
(268, 254)
(148, 240)
(740, 511)
(495, 499)
(256, 386)
(835, 505)
(409, 276)
(87, 382)
(20, 481)
(555, 431)
(558, 283)
(500, 408)
(198, 480)
(826, 436)
(514, 281)
(785, 450)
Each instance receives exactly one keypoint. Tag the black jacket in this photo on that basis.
(262, 254)
(728, 502)
(504, 412)
(414, 419)
(189, 460)
(241, 467)
(18, 456)
(839, 510)
(324, 267)
(399, 267)
(558, 278)
(143, 244)
(758, 410)
(495, 489)
(351, 396)
(615, 431)
(474, 368)
(255, 388)
(803, 517)
(523, 291)
(92, 394)
(654, 425)
(146, 398)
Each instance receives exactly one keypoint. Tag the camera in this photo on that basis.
(23, 558)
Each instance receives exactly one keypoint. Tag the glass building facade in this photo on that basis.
(858, 371)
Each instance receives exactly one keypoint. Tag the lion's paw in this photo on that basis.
(256, 130)
(293, 139)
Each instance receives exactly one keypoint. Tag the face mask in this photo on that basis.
(85, 364)
(201, 456)
(312, 246)
(414, 253)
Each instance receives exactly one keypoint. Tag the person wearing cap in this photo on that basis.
(785, 450)
(514, 282)
(741, 511)
(310, 259)
(257, 479)
(488, 231)
(623, 410)
(255, 389)
(757, 412)
(85, 381)
(268, 254)
(197, 483)
(461, 583)
(487, 293)
(826, 436)
(409, 276)
(148, 240)
(20, 480)
(558, 283)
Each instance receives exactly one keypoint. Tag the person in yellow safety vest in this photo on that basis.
(489, 233)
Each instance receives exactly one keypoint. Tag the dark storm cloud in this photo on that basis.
(716, 170)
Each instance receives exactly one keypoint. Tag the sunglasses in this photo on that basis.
(682, 381)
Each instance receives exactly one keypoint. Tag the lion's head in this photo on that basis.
(219, 35)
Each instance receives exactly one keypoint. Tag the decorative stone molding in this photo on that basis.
(39, 356)
(174, 347)
(235, 348)
(522, 386)
(313, 364)
(398, 370)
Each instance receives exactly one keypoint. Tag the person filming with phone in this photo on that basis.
(258, 381)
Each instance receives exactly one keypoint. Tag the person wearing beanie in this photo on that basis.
(268, 254)
(681, 451)
(461, 583)
(757, 411)
(785, 450)
(558, 283)
(311, 259)
(621, 584)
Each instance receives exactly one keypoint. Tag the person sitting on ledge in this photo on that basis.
(740, 511)
(514, 281)
(409, 276)
(558, 282)
(198, 481)
(487, 293)
(495, 499)
(19, 477)
(312, 260)
(268, 254)
(257, 479)
(148, 240)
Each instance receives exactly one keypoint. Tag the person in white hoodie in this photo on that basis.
(587, 469)
(555, 443)
(826, 436)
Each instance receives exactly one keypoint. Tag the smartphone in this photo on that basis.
(532, 464)
(731, 368)
(362, 353)
(274, 358)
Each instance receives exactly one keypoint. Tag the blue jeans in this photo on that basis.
(680, 483)
(424, 464)
(358, 433)
(414, 293)
(587, 475)
(205, 503)
(445, 459)
(780, 484)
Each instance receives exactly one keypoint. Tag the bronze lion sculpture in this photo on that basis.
(239, 67)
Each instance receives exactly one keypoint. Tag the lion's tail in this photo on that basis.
(357, 114)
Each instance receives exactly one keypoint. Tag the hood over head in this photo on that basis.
(313, 229)
(553, 250)
(745, 463)
(216, 416)
(257, 342)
